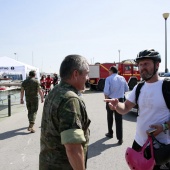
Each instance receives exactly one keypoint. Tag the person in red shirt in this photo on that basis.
(48, 82)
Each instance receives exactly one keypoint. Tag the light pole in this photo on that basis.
(119, 55)
(166, 15)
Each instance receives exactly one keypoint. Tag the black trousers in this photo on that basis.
(118, 121)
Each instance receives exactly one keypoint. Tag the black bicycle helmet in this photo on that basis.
(148, 54)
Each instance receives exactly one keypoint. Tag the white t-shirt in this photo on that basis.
(152, 110)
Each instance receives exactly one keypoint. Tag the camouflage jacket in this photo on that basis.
(31, 86)
(63, 111)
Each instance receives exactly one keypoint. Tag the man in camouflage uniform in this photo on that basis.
(64, 128)
(31, 87)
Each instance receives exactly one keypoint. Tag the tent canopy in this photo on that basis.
(11, 66)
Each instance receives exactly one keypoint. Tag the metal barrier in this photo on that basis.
(2, 100)
(7, 101)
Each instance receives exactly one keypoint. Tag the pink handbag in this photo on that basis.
(136, 159)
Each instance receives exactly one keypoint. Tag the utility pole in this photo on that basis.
(119, 55)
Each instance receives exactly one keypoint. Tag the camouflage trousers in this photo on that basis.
(32, 107)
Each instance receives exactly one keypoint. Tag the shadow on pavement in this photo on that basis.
(2, 107)
(131, 116)
(5, 106)
(98, 147)
(12, 133)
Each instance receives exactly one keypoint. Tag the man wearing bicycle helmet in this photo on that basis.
(153, 111)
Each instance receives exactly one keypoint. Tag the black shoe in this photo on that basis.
(109, 135)
(120, 142)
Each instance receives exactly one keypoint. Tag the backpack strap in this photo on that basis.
(139, 86)
(166, 91)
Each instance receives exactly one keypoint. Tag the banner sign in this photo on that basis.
(7, 68)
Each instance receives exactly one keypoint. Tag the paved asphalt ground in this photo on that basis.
(19, 149)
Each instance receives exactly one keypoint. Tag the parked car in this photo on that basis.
(161, 74)
(167, 75)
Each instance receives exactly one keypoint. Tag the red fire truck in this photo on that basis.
(99, 72)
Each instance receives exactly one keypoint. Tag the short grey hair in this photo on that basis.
(72, 63)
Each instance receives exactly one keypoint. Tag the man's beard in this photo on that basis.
(145, 75)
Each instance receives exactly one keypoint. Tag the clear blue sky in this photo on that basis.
(43, 32)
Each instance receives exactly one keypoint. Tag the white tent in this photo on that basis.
(11, 66)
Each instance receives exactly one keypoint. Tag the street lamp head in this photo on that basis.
(165, 15)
